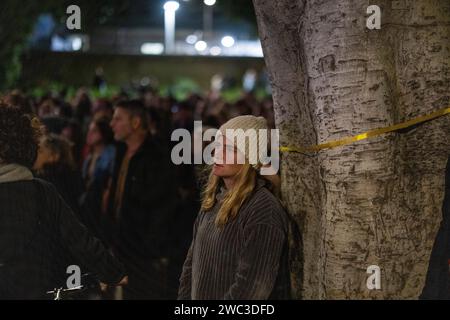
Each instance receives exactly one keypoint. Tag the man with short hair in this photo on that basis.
(142, 202)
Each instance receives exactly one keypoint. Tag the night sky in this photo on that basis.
(149, 13)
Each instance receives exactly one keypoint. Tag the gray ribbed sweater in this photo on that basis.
(247, 259)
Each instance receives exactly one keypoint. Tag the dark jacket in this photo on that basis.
(67, 181)
(437, 283)
(37, 228)
(148, 203)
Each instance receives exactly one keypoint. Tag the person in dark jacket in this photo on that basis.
(36, 225)
(239, 249)
(437, 283)
(55, 164)
(142, 202)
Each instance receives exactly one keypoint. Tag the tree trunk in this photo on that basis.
(376, 201)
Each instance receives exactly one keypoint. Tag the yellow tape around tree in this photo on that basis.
(368, 134)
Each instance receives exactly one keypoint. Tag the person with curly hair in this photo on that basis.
(36, 225)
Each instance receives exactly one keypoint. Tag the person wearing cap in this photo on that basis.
(239, 247)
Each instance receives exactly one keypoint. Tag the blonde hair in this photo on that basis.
(233, 200)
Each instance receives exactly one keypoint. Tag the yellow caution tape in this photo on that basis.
(368, 134)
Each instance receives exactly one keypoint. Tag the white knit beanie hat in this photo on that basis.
(244, 139)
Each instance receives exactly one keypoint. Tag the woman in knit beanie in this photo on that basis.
(239, 246)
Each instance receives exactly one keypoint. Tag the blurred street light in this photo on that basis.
(209, 2)
(191, 39)
(152, 48)
(201, 46)
(77, 43)
(170, 7)
(215, 51)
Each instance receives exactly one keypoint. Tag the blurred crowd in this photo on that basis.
(85, 154)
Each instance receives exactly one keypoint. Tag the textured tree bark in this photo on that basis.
(376, 201)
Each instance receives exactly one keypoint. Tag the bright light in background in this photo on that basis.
(71, 43)
(191, 39)
(169, 25)
(201, 46)
(152, 48)
(210, 2)
(215, 51)
(77, 43)
(228, 41)
(244, 49)
(171, 6)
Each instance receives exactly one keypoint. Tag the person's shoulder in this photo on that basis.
(265, 208)
(49, 195)
(157, 151)
(150, 145)
(43, 183)
(199, 219)
(46, 187)
(264, 197)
